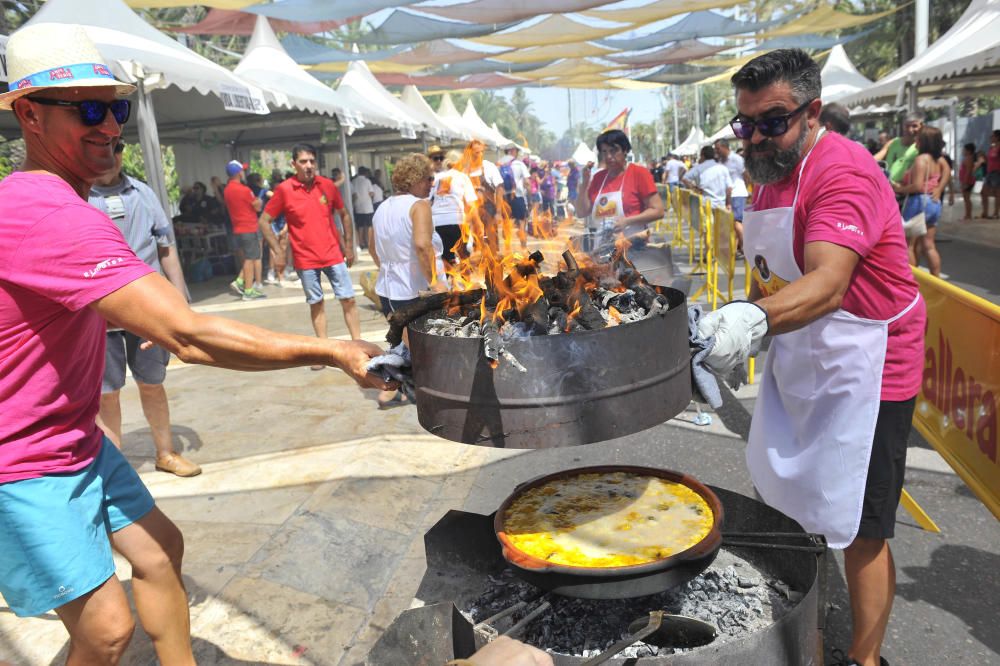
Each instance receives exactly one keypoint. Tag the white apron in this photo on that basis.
(814, 420)
(609, 206)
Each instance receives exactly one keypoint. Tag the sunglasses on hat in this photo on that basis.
(744, 127)
(93, 112)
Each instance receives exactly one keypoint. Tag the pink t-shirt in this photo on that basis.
(58, 254)
(845, 199)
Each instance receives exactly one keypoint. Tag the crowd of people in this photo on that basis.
(831, 289)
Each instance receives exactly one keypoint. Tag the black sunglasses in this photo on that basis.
(744, 127)
(119, 148)
(93, 112)
(438, 158)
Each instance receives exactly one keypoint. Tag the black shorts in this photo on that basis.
(886, 469)
(249, 244)
(518, 207)
(450, 234)
(363, 219)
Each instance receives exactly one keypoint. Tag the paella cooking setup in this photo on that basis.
(604, 564)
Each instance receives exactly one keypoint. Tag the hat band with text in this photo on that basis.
(57, 75)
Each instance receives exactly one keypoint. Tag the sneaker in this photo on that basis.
(291, 275)
(253, 295)
(258, 286)
(237, 286)
(174, 463)
(271, 279)
(841, 659)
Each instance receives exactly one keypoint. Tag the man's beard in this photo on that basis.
(779, 164)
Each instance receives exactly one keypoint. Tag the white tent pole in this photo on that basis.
(677, 135)
(149, 141)
(953, 116)
(348, 191)
(921, 29)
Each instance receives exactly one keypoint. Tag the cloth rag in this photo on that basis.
(395, 366)
(703, 380)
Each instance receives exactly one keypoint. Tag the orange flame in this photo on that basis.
(571, 316)
(614, 317)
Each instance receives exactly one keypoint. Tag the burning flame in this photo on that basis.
(571, 316)
(614, 317)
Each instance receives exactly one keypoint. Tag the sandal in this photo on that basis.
(398, 400)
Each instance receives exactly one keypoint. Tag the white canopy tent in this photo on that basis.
(725, 132)
(362, 91)
(964, 61)
(840, 76)
(188, 88)
(485, 132)
(692, 144)
(450, 115)
(584, 154)
(421, 110)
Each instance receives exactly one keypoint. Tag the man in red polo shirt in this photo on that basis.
(308, 202)
(243, 207)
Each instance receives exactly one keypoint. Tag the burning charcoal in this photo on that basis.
(536, 316)
(589, 316)
(572, 268)
(399, 319)
(492, 342)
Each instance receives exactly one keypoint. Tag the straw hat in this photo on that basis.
(55, 55)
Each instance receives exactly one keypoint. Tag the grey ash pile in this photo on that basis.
(732, 595)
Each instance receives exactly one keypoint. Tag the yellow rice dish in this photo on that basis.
(607, 520)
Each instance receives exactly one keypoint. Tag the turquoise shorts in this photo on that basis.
(54, 546)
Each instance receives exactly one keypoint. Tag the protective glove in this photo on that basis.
(739, 328)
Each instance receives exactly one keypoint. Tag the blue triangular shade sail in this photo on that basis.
(680, 74)
(406, 28)
(307, 52)
(692, 26)
(322, 10)
(484, 66)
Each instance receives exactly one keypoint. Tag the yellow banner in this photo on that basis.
(957, 409)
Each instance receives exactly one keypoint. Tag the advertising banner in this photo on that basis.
(957, 409)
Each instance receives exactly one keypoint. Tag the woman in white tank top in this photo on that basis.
(403, 244)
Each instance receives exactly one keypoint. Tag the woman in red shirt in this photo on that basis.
(992, 185)
(622, 196)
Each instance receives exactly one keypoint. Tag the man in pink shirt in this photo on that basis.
(67, 496)
(833, 288)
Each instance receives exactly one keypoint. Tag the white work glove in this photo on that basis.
(739, 328)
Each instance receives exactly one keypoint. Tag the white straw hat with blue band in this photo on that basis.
(55, 55)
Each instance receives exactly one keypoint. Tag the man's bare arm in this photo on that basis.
(171, 264)
(151, 308)
(820, 291)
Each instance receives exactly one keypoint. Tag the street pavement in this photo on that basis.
(304, 533)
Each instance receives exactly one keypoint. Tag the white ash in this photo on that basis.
(731, 594)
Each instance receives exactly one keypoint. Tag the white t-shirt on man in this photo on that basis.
(736, 167)
(673, 168)
(713, 179)
(520, 171)
(362, 188)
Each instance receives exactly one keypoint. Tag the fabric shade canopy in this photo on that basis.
(377, 66)
(809, 42)
(364, 93)
(438, 52)
(658, 10)
(403, 27)
(540, 53)
(421, 110)
(231, 22)
(840, 76)
(692, 26)
(220, 4)
(488, 66)
(307, 52)
(429, 81)
(678, 52)
(964, 61)
(680, 74)
(725, 132)
(631, 84)
(826, 19)
(285, 84)
(500, 11)
(322, 10)
(555, 29)
(568, 67)
(490, 81)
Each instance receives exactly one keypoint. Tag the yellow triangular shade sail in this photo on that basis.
(556, 29)
(826, 19)
(217, 4)
(568, 67)
(377, 67)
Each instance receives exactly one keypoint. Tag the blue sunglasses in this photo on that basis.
(93, 112)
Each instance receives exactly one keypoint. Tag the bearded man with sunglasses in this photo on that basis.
(832, 287)
(67, 495)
